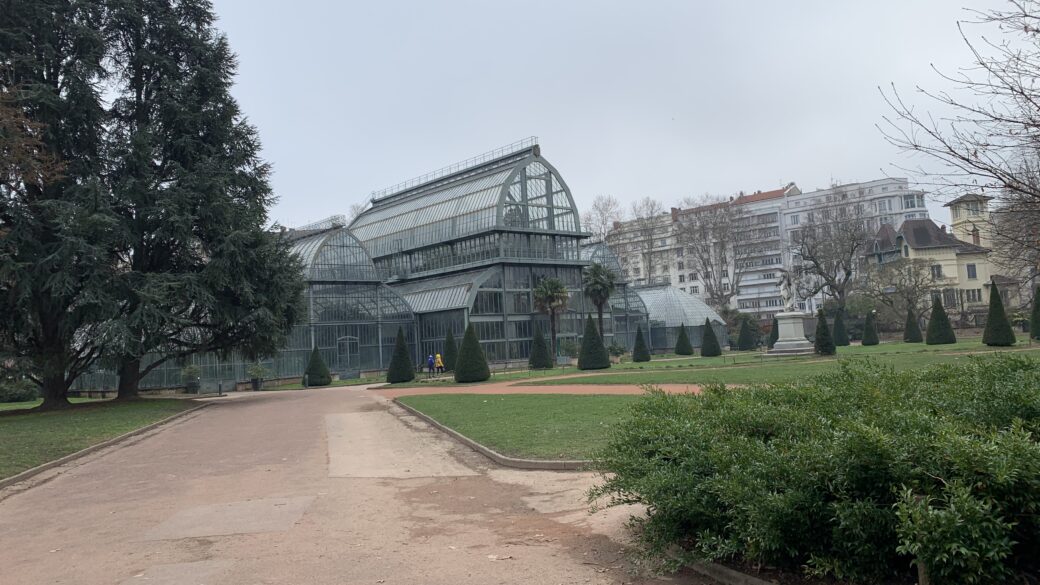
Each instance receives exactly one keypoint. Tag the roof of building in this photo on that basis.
(333, 255)
(600, 253)
(673, 307)
(969, 197)
(921, 234)
(444, 293)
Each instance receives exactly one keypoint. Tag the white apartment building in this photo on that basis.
(774, 216)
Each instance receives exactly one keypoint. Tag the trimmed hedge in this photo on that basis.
(640, 353)
(593, 354)
(682, 343)
(1034, 318)
(317, 372)
(471, 366)
(774, 333)
(841, 334)
(854, 474)
(870, 333)
(912, 331)
(998, 329)
(824, 343)
(710, 342)
(401, 367)
(451, 352)
(746, 338)
(939, 331)
(540, 358)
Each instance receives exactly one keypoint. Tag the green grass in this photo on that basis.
(537, 426)
(335, 383)
(503, 376)
(33, 438)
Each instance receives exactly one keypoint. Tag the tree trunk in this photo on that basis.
(129, 377)
(552, 334)
(54, 392)
(599, 315)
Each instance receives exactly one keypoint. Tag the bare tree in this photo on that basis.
(355, 210)
(648, 224)
(719, 240)
(900, 284)
(989, 144)
(827, 250)
(601, 217)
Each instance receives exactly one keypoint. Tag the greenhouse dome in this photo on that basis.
(627, 311)
(669, 308)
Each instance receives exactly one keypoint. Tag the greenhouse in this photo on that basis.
(669, 308)
(627, 312)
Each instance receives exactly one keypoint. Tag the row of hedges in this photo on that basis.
(857, 474)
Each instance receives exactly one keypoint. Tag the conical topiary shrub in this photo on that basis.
(593, 354)
(841, 335)
(824, 344)
(912, 331)
(939, 332)
(317, 372)
(640, 353)
(1034, 319)
(682, 344)
(998, 329)
(401, 367)
(540, 358)
(471, 366)
(870, 333)
(746, 338)
(710, 343)
(774, 333)
(451, 352)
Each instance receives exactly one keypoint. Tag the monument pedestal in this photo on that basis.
(792, 339)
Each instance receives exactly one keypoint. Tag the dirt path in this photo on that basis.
(324, 486)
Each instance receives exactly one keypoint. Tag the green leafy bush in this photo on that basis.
(939, 331)
(18, 390)
(870, 333)
(640, 353)
(774, 333)
(841, 335)
(998, 329)
(682, 343)
(593, 354)
(317, 372)
(710, 342)
(616, 349)
(824, 343)
(451, 352)
(855, 474)
(401, 367)
(540, 358)
(472, 366)
(746, 340)
(912, 331)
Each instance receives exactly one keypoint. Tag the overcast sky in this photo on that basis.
(661, 99)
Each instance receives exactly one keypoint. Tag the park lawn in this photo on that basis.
(335, 383)
(421, 381)
(535, 426)
(34, 438)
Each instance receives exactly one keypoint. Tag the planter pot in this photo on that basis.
(257, 383)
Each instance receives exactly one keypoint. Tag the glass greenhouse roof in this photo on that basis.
(444, 293)
(673, 307)
(519, 191)
(600, 253)
(333, 255)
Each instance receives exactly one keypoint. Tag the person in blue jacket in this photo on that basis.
(429, 365)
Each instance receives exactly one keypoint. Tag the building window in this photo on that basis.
(950, 298)
(663, 242)
(682, 289)
(906, 251)
(693, 276)
(769, 276)
(725, 287)
(974, 295)
(678, 252)
(937, 271)
(682, 278)
(695, 289)
(972, 272)
(975, 237)
(725, 272)
(793, 220)
(912, 201)
(680, 266)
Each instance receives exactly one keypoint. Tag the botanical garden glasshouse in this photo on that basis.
(463, 245)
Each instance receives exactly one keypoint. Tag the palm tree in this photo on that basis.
(549, 297)
(599, 282)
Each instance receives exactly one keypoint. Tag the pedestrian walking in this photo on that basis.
(438, 363)
(429, 365)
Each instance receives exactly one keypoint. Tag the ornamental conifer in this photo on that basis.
(710, 343)
(1034, 320)
(746, 339)
(682, 344)
(998, 331)
(317, 372)
(471, 365)
(451, 352)
(640, 353)
(841, 335)
(540, 358)
(774, 333)
(870, 332)
(824, 344)
(939, 332)
(401, 368)
(912, 331)
(593, 354)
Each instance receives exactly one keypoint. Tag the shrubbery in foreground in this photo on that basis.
(855, 474)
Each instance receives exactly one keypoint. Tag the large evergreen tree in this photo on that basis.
(774, 333)
(710, 342)
(746, 338)
(317, 371)
(998, 330)
(841, 335)
(912, 331)
(870, 332)
(682, 344)
(471, 365)
(56, 253)
(540, 358)
(451, 352)
(939, 331)
(598, 283)
(198, 269)
(824, 343)
(401, 367)
(1034, 319)
(640, 353)
(593, 354)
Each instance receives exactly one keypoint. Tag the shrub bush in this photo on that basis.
(746, 341)
(1034, 317)
(451, 352)
(774, 333)
(912, 331)
(840, 334)
(18, 390)
(593, 354)
(998, 329)
(317, 372)
(640, 353)
(939, 331)
(471, 366)
(401, 367)
(824, 343)
(854, 474)
(870, 333)
(540, 358)
(710, 343)
(682, 343)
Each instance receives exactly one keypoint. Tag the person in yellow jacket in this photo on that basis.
(439, 364)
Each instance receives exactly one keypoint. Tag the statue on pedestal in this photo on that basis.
(786, 290)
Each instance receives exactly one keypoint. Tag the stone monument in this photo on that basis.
(791, 323)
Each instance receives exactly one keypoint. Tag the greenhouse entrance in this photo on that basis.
(348, 357)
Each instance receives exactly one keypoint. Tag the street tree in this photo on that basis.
(647, 222)
(827, 249)
(718, 241)
(601, 216)
(899, 284)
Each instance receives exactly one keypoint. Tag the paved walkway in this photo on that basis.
(328, 486)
